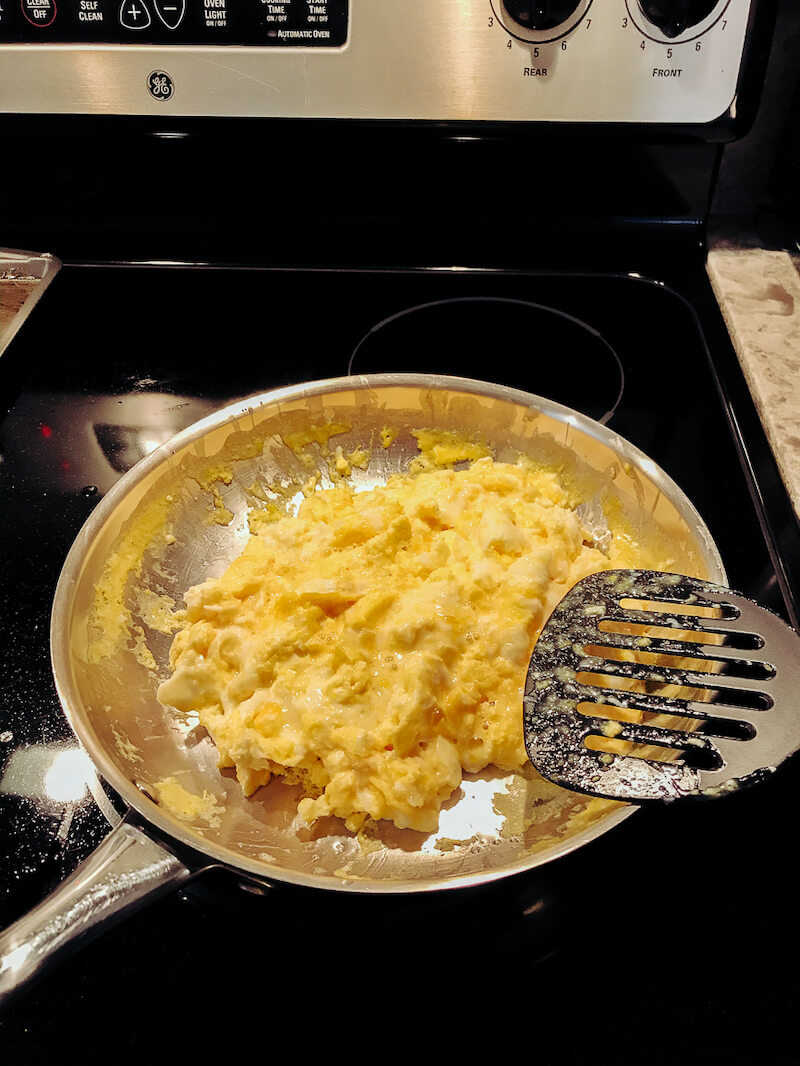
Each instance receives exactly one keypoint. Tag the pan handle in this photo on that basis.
(125, 871)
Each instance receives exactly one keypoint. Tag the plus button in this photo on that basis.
(134, 15)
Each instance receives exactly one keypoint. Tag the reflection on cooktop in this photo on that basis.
(514, 342)
(71, 441)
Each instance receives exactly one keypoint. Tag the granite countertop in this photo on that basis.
(758, 291)
(23, 278)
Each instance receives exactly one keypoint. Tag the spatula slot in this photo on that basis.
(654, 752)
(695, 609)
(618, 722)
(652, 681)
(662, 655)
(742, 641)
(726, 728)
(694, 689)
(699, 757)
(615, 719)
(654, 658)
(614, 714)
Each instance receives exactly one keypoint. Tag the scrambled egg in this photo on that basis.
(374, 646)
(188, 806)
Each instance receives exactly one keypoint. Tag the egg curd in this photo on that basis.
(374, 646)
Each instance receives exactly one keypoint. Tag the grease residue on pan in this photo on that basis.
(502, 828)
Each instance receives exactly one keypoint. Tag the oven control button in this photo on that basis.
(540, 14)
(134, 15)
(170, 12)
(673, 17)
(39, 12)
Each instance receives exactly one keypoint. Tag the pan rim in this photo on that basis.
(150, 812)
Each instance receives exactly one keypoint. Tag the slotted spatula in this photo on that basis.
(604, 673)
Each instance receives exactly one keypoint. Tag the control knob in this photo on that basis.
(672, 17)
(540, 14)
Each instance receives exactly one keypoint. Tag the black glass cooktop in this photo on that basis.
(665, 941)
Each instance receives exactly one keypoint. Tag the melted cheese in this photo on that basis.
(375, 645)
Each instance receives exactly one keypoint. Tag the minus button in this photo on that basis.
(170, 12)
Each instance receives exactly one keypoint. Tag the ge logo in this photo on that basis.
(160, 85)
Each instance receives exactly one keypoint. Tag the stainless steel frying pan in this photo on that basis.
(180, 516)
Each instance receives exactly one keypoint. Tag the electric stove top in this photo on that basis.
(668, 940)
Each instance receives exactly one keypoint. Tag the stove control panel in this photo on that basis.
(258, 23)
(597, 61)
